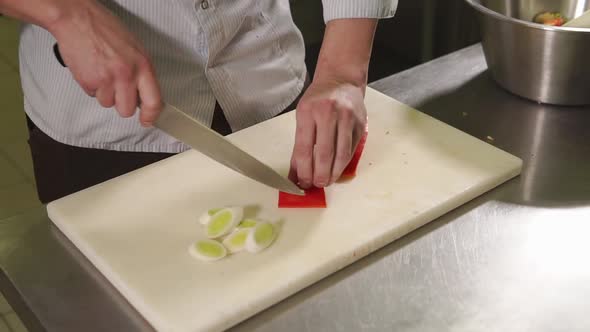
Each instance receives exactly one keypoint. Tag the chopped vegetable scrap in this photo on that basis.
(207, 250)
(236, 241)
(224, 221)
(206, 217)
(247, 223)
(260, 237)
(228, 232)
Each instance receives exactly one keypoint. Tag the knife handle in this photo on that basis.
(61, 62)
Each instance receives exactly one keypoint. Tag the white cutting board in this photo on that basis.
(136, 228)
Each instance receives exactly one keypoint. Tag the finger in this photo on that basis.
(88, 90)
(126, 98)
(303, 149)
(293, 171)
(358, 133)
(326, 124)
(149, 94)
(345, 144)
(106, 96)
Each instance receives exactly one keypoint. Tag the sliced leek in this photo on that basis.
(207, 250)
(223, 222)
(236, 241)
(260, 237)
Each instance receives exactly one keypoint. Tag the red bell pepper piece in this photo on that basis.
(314, 198)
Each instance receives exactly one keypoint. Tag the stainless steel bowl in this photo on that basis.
(542, 63)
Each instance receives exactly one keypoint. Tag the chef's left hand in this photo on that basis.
(331, 118)
(331, 115)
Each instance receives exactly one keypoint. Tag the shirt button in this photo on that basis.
(204, 4)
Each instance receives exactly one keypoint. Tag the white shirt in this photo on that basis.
(246, 54)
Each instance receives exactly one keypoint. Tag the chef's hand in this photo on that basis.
(331, 118)
(331, 115)
(106, 60)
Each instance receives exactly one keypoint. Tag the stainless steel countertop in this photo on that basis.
(514, 259)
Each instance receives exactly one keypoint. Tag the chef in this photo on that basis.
(228, 63)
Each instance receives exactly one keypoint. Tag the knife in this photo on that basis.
(199, 137)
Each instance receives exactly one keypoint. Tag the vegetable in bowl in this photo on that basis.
(556, 19)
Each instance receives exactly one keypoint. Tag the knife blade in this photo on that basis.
(201, 138)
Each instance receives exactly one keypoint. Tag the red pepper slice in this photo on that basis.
(350, 170)
(314, 198)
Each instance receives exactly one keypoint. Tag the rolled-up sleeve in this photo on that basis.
(335, 9)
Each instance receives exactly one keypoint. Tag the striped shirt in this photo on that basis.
(247, 55)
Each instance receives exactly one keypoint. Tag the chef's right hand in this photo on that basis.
(106, 60)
